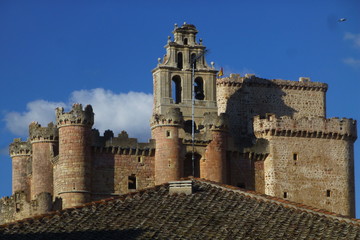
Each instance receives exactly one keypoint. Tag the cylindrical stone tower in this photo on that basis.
(215, 153)
(44, 142)
(72, 176)
(165, 130)
(20, 153)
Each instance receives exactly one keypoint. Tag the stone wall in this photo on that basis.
(242, 98)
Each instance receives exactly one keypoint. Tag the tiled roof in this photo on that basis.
(213, 211)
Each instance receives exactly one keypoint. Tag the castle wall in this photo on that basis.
(42, 169)
(245, 97)
(310, 161)
(114, 169)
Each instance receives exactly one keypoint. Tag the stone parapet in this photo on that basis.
(43, 134)
(77, 116)
(235, 80)
(320, 127)
(173, 117)
(213, 121)
(19, 148)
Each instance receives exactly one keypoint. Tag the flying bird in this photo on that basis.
(342, 20)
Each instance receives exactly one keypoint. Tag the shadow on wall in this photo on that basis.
(89, 235)
(256, 96)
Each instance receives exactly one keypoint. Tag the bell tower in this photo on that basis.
(172, 77)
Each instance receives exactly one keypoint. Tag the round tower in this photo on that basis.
(215, 154)
(165, 131)
(20, 152)
(72, 176)
(44, 143)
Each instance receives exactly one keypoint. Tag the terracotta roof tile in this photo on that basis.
(213, 211)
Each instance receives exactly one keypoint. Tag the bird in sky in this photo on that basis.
(342, 20)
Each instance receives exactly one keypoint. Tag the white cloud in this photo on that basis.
(352, 62)
(124, 111)
(40, 111)
(355, 38)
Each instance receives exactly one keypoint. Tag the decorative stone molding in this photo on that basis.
(77, 116)
(43, 134)
(19, 148)
(332, 128)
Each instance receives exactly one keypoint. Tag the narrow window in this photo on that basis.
(168, 133)
(132, 182)
(176, 89)
(193, 60)
(285, 194)
(328, 193)
(180, 60)
(140, 159)
(185, 41)
(199, 88)
(295, 156)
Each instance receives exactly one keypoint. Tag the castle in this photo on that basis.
(271, 136)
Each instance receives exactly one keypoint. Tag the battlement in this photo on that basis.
(121, 144)
(235, 80)
(19, 148)
(173, 117)
(43, 134)
(213, 121)
(16, 206)
(77, 116)
(333, 128)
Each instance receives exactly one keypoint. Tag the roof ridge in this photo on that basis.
(281, 201)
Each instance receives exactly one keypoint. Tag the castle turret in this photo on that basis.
(215, 154)
(72, 171)
(44, 142)
(20, 153)
(165, 130)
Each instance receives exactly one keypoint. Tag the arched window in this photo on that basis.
(185, 41)
(176, 89)
(188, 165)
(180, 60)
(193, 60)
(199, 88)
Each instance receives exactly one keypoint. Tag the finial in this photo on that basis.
(212, 64)
(175, 25)
(169, 39)
(159, 60)
(184, 23)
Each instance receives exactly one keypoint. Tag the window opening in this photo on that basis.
(180, 60)
(328, 193)
(185, 41)
(132, 181)
(168, 133)
(188, 126)
(295, 156)
(176, 89)
(241, 185)
(199, 88)
(285, 195)
(193, 60)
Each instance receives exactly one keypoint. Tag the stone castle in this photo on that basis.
(270, 136)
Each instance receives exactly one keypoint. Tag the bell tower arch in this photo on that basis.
(172, 77)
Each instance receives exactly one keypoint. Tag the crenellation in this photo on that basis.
(319, 127)
(43, 134)
(76, 116)
(19, 148)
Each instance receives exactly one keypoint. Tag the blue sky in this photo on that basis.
(54, 53)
